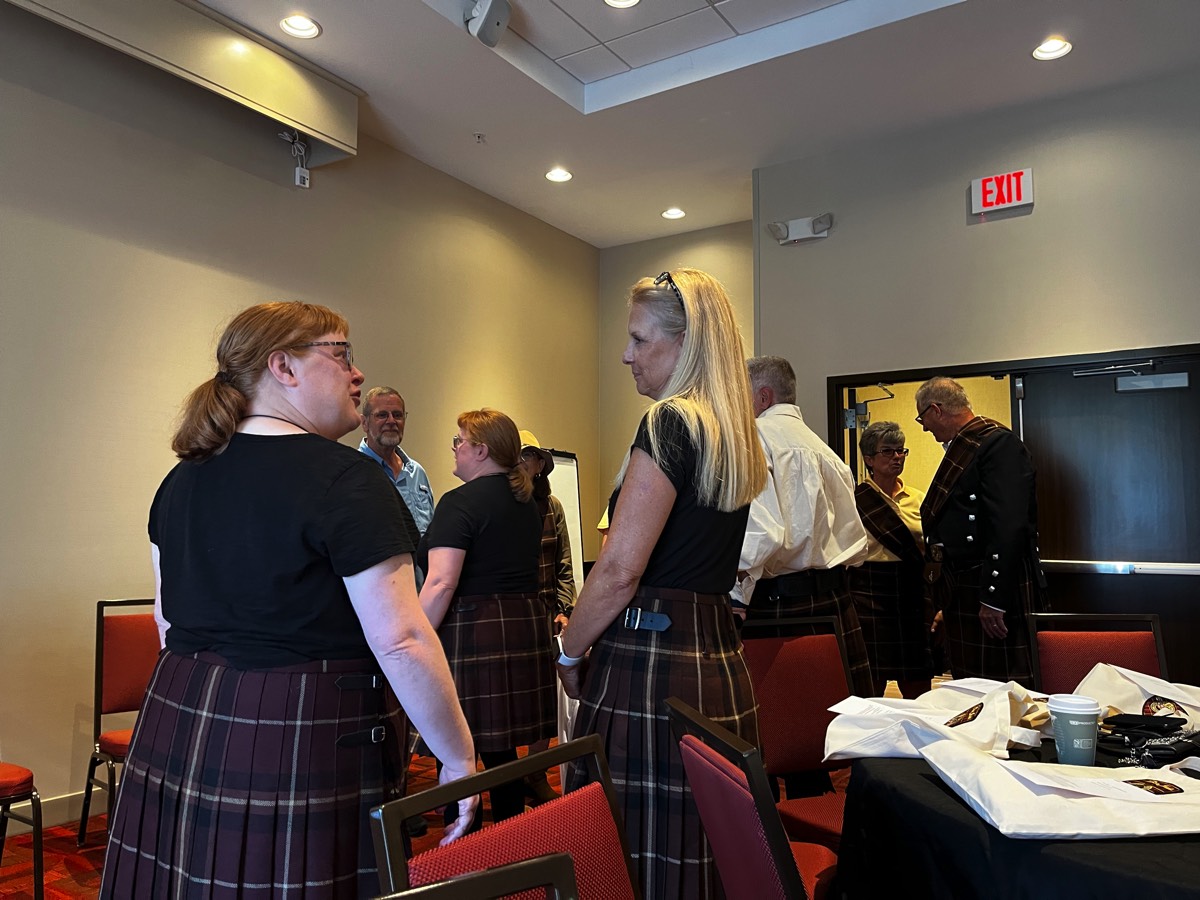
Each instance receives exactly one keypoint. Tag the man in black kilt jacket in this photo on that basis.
(980, 524)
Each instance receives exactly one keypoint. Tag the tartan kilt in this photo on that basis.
(630, 675)
(895, 615)
(834, 602)
(235, 786)
(972, 653)
(499, 649)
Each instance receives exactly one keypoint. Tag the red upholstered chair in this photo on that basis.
(755, 858)
(127, 648)
(16, 786)
(554, 873)
(799, 669)
(1065, 647)
(584, 823)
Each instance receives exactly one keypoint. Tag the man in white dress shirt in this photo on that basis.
(804, 528)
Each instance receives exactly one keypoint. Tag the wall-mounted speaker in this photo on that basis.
(488, 19)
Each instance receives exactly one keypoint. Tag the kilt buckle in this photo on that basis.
(376, 735)
(638, 619)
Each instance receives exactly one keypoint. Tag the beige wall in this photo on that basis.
(725, 252)
(136, 215)
(909, 280)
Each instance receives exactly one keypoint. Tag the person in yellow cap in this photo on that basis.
(556, 578)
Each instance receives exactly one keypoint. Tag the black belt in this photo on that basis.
(376, 735)
(803, 584)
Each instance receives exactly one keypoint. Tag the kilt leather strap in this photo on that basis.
(376, 735)
(642, 620)
(359, 682)
(807, 583)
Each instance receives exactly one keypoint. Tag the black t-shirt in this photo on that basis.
(502, 537)
(255, 541)
(700, 546)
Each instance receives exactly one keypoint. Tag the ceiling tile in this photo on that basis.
(548, 28)
(593, 64)
(750, 15)
(690, 32)
(607, 23)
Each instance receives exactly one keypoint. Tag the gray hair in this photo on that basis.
(374, 394)
(776, 373)
(879, 433)
(945, 392)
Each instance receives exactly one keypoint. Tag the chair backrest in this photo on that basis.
(127, 647)
(736, 807)
(1065, 647)
(797, 675)
(585, 823)
(554, 874)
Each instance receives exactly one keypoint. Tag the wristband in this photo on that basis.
(563, 659)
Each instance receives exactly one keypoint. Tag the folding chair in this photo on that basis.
(755, 858)
(127, 648)
(555, 873)
(1064, 652)
(16, 786)
(799, 669)
(584, 823)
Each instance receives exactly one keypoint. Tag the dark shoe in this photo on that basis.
(416, 826)
(538, 789)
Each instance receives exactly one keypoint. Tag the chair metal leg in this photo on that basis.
(87, 800)
(3, 825)
(39, 873)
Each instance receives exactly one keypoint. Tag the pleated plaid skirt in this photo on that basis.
(498, 646)
(630, 676)
(895, 615)
(972, 653)
(255, 784)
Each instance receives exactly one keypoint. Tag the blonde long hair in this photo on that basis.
(709, 389)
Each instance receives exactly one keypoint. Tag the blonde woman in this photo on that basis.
(655, 610)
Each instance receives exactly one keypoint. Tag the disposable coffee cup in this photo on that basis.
(1076, 720)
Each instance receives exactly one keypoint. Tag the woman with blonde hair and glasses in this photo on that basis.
(481, 556)
(888, 589)
(283, 562)
(655, 610)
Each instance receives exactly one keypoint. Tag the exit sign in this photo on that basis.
(1002, 191)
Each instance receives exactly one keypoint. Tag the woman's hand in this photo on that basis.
(572, 679)
(466, 806)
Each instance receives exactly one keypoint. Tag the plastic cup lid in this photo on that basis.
(1073, 703)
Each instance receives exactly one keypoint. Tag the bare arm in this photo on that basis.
(441, 581)
(163, 624)
(647, 496)
(400, 636)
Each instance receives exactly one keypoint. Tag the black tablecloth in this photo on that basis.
(906, 834)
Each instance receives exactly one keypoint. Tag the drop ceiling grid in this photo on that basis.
(592, 40)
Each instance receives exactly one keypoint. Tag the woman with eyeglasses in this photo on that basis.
(655, 611)
(481, 556)
(888, 589)
(285, 594)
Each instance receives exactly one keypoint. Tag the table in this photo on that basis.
(906, 834)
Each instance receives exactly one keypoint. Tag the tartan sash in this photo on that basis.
(885, 525)
(960, 454)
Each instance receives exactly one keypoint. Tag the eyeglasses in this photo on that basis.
(346, 359)
(891, 451)
(458, 440)
(666, 276)
(921, 415)
(384, 414)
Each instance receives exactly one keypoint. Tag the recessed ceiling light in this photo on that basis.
(300, 26)
(558, 173)
(622, 4)
(673, 213)
(1052, 48)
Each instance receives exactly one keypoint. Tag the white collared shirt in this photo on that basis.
(806, 517)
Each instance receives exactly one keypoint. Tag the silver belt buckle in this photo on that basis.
(378, 734)
(633, 618)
